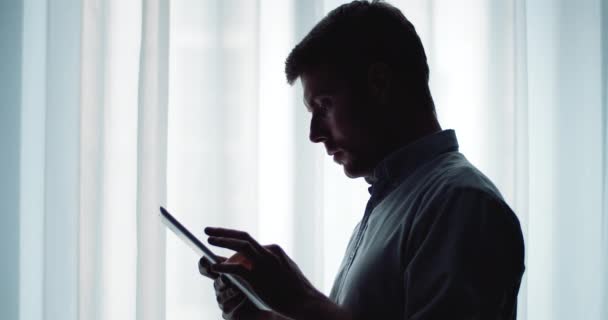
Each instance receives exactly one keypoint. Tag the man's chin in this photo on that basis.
(351, 172)
(350, 167)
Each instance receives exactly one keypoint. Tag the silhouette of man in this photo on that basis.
(436, 241)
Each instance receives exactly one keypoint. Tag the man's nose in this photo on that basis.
(317, 132)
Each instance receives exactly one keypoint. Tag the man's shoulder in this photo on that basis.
(448, 176)
(454, 173)
(457, 187)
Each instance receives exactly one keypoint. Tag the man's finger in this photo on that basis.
(276, 251)
(231, 268)
(229, 306)
(221, 283)
(204, 267)
(228, 293)
(241, 246)
(235, 234)
(223, 232)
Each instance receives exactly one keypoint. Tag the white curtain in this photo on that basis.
(110, 108)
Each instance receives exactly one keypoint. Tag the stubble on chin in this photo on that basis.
(351, 171)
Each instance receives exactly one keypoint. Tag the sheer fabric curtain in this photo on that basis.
(93, 118)
(111, 108)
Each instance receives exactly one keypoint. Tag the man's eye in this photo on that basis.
(323, 110)
(326, 103)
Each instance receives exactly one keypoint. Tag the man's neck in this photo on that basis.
(423, 126)
(408, 133)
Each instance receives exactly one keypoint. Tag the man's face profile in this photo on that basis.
(342, 120)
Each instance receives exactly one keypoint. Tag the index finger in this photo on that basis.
(234, 234)
(227, 233)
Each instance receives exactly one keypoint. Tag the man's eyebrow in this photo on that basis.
(310, 102)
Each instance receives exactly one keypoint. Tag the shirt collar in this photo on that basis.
(406, 159)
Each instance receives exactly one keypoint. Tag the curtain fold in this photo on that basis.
(152, 159)
(109, 114)
(521, 180)
(565, 134)
(604, 245)
(11, 30)
(92, 99)
(32, 154)
(61, 167)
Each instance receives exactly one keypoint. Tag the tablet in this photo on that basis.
(203, 250)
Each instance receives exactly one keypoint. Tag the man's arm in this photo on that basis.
(318, 309)
(322, 309)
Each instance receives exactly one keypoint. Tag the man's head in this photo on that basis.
(365, 79)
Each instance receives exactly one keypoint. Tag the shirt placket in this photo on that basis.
(371, 204)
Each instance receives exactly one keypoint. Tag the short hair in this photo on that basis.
(355, 35)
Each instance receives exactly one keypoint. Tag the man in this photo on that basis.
(436, 241)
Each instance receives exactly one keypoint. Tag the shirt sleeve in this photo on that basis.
(464, 259)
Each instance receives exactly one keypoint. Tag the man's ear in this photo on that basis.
(379, 81)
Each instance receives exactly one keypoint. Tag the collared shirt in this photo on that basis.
(436, 241)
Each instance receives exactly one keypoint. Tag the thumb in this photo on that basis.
(204, 267)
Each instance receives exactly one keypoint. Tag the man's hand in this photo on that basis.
(275, 278)
(232, 302)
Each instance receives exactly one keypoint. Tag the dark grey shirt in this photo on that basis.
(436, 241)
